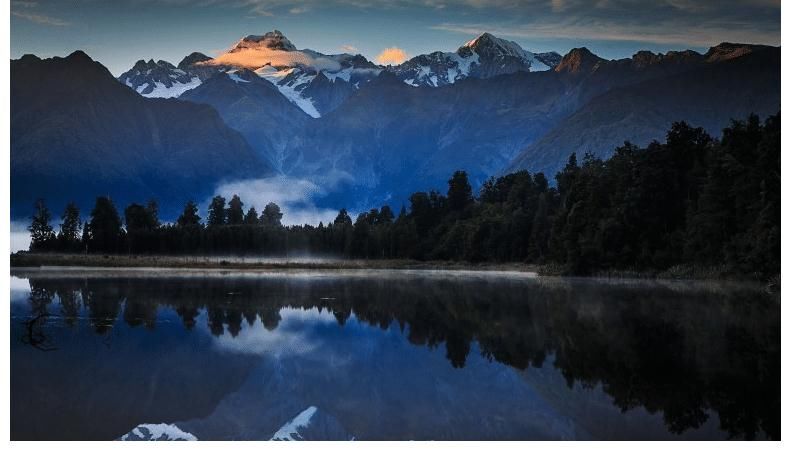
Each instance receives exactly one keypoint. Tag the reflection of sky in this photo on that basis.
(377, 385)
(296, 334)
(372, 381)
(20, 288)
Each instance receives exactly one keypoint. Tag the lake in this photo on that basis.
(388, 355)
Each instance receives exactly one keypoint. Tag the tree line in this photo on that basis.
(692, 200)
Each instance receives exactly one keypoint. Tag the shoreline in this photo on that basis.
(64, 261)
(152, 262)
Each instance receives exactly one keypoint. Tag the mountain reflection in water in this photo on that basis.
(229, 356)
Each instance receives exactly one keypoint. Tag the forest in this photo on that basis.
(691, 201)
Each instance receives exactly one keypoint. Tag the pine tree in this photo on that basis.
(152, 208)
(385, 215)
(41, 234)
(69, 237)
(104, 229)
(459, 191)
(216, 211)
(343, 218)
(235, 212)
(189, 217)
(251, 218)
(271, 215)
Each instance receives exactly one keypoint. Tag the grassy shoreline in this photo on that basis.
(25, 259)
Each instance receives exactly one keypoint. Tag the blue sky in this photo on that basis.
(119, 32)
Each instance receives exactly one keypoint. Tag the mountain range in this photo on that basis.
(76, 134)
(318, 83)
(364, 134)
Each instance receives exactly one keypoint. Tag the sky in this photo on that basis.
(118, 33)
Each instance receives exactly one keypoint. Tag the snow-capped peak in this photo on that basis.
(482, 57)
(487, 44)
(274, 40)
(159, 79)
(318, 83)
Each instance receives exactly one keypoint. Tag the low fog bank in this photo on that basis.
(20, 237)
(296, 197)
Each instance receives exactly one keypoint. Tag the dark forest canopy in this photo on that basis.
(692, 200)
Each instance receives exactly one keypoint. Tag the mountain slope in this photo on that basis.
(76, 133)
(255, 108)
(707, 95)
(389, 138)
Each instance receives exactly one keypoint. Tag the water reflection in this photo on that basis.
(689, 352)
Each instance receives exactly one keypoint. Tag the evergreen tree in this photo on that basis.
(343, 219)
(42, 236)
(152, 208)
(271, 215)
(189, 217)
(70, 227)
(459, 191)
(216, 212)
(251, 217)
(141, 222)
(385, 215)
(104, 229)
(235, 212)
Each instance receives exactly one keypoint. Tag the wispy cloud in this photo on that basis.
(40, 19)
(349, 49)
(699, 35)
(27, 10)
(696, 23)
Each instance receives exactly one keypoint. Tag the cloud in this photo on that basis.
(349, 49)
(392, 56)
(706, 22)
(559, 5)
(40, 18)
(294, 196)
(298, 10)
(295, 334)
(662, 33)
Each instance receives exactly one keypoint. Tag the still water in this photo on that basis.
(388, 355)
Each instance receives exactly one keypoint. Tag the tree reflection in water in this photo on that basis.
(681, 349)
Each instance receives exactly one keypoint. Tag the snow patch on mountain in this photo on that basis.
(234, 75)
(159, 79)
(291, 88)
(290, 430)
(161, 90)
(157, 432)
